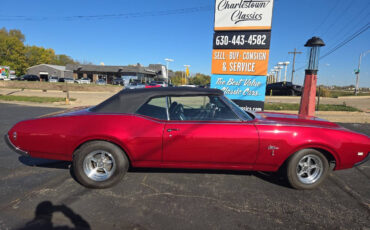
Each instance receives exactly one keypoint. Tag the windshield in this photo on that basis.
(243, 114)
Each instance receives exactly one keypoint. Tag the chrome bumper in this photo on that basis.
(13, 147)
(364, 160)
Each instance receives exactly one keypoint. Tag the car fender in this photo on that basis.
(110, 139)
(278, 143)
(318, 147)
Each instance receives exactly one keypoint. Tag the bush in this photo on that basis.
(323, 92)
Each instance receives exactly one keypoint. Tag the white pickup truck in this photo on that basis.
(83, 81)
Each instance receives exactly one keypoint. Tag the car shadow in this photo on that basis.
(44, 215)
(44, 163)
(271, 177)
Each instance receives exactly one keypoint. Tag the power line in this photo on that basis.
(355, 16)
(355, 22)
(107, 16)
(336, 19)
(344, 42)
(353, 36)
(326, 18)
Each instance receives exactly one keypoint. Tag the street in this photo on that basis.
(35, 191)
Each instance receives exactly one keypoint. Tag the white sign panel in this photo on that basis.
(243, 14)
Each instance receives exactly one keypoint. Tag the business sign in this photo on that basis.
(240, 62)
(250, 105)
(4, 72)
(241, 40)
(243, 14)
(241, 87)
(244, 90)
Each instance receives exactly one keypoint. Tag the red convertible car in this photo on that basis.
(187, 128)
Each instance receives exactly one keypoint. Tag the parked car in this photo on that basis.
(66, 79)
(206, 86)
(83, 81)
(192, 86)
(183, 127)
(284, 89)
(135, 85)
(161, 83)
(53, 79)
(118, 81)
(152, 85)
(13, 77)
(100, 82)
(29, 78)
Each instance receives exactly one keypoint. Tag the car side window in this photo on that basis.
(155, 107)
(200, 108)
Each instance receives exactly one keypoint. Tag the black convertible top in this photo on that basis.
(130, 100)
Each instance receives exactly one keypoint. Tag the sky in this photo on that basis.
(148, 31)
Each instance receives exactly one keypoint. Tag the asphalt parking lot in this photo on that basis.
(37, 192)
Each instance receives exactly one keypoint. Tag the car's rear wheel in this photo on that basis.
(99, 164)
(307, 169)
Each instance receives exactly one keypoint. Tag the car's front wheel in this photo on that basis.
(307, 169)
(99, 164)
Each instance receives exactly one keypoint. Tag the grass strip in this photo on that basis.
(339, 93)
(33, 98)
(322, 107)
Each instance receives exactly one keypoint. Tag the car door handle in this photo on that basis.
(170, 130)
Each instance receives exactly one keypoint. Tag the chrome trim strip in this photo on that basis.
(305, 126)
(194, 122)
(167, 108)
(13, 147)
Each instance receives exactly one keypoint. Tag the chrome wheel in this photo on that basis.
(309, 169)
(99, 165)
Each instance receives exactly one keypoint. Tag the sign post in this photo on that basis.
(241, 43)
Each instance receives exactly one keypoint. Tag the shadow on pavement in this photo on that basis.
(44, 163)
(271, 177)
(44, 214)
(17, 91)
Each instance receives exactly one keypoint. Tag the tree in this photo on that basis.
(177, 79)
(12, 50)
(63, 59)
(18, 57)
(18, 34)
(38, 55)
(200, 79)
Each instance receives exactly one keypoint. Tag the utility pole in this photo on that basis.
(358, 71)
(358, 74)
(168, 60)
(293, 70)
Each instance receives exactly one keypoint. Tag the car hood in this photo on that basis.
(293, 119)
